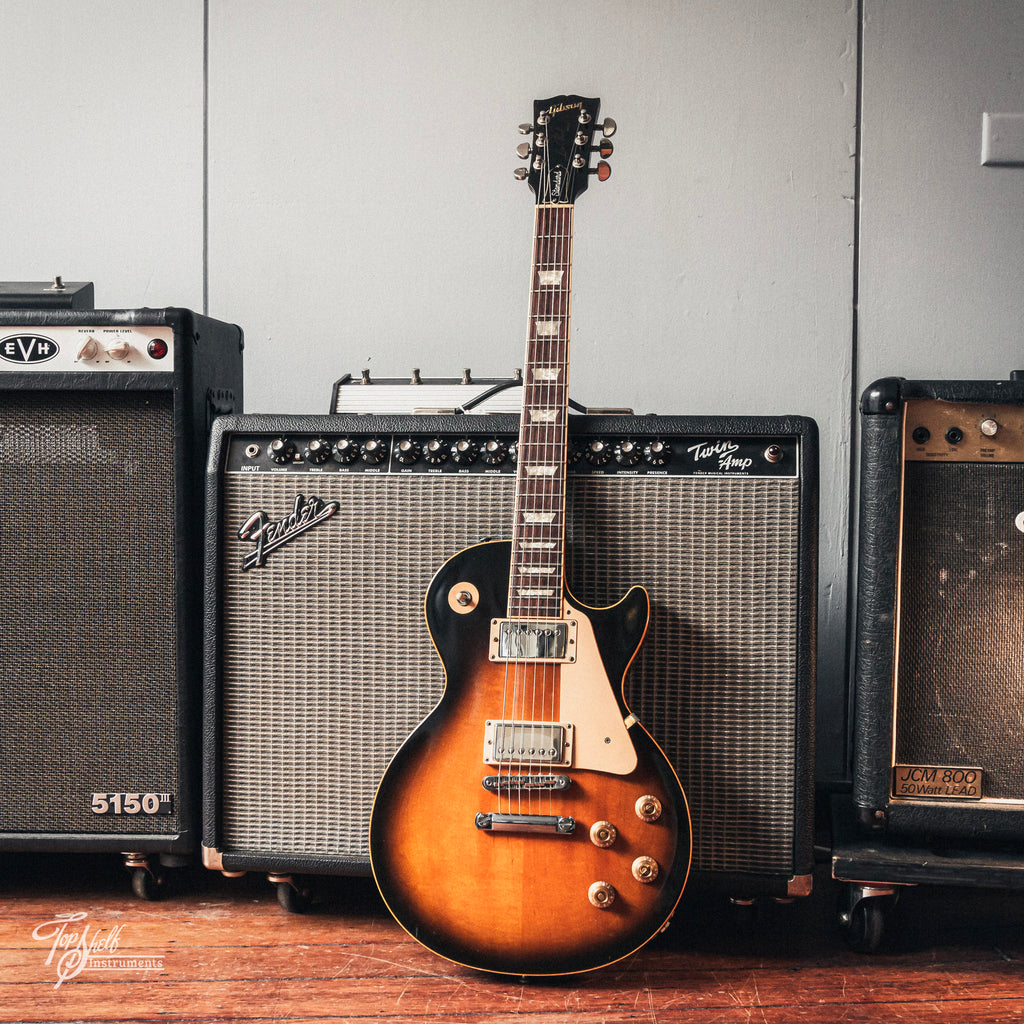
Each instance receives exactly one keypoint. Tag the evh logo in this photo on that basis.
(28, 348)
(305, 514)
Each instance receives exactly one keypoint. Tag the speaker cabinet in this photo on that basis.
(104, 425)
(939, 715)
(324, 533)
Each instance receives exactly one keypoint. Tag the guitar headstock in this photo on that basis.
(563, 133)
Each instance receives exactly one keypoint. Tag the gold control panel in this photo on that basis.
(943, 431)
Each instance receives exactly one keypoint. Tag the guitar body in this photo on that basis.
(515, 894)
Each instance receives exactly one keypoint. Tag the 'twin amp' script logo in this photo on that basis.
(268, 535)
(28, 348)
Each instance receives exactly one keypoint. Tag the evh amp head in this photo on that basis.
(104, 423)
(324, 533)
(939, 709)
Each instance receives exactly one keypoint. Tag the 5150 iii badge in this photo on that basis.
(132, 803)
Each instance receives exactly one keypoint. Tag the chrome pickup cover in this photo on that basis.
(527, 743)
(533, 640)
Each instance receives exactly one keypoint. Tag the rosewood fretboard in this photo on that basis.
(538, 536)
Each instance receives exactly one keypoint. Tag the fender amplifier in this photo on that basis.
(938, 715)
(324, 532)
(104, 424)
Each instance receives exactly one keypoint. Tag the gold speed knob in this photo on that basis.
(648, 808)
(603, 834)
(601, 895)
(645, 869)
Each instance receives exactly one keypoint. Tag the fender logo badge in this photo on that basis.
(267, 535)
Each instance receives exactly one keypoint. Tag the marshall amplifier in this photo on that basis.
(938, 716)
(104, 424)
(324, 532)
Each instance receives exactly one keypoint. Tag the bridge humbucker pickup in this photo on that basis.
(508, 743)
(533, 640)
(561, 826)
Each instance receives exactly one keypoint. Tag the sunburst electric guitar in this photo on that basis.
(530, 825)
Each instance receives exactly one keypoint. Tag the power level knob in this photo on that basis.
(119, 350)
(281, 450)
(317, 451)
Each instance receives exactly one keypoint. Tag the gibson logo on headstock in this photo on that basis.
(565, 106)
(306, 513)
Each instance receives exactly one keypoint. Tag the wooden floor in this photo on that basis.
(221, 949)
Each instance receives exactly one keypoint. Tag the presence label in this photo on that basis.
(937, 782)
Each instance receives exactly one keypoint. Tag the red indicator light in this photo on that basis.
(157, 348)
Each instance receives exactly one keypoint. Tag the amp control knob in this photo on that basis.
(317, 451)
(598, 452)
(281, 450)
(407, 451)
(119, 350)
(346, 451)
(658, 453)
(435, 451)
(627, 453)
(464, 451)
(373, 451)
(495, 452)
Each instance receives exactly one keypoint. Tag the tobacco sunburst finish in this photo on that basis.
(530, 825)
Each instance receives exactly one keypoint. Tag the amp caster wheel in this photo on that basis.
(865, 917)
(147, 879)
(292, 894)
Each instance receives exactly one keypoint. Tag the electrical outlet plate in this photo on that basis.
(1002, 140)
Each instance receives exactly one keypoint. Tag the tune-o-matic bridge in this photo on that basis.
(533, 640)
(508, 783)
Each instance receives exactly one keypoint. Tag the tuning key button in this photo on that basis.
(627, 453)
(523, 150)
(435, 451)
(281, 450)
(373, 451)
(601, 895)
(317, 451)
(658, 453)
(648, 808)
(608, 128)
(603, 171)
(346, 451)
(407, 451)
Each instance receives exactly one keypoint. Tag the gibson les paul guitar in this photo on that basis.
(530, 825)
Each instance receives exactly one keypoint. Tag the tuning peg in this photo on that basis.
(525, 129)
(605, 148)
(521, 173)
(603, 171)
(523, 149)
(608, 128)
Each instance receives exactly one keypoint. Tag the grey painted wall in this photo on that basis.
(343, 190)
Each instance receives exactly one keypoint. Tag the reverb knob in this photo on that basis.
(281, 450)
(317, 451)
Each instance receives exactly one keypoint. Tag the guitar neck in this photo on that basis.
(538, 537)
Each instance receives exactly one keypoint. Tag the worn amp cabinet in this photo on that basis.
(104, 422)
(324, 532)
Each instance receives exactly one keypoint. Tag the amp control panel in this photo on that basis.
(87, 348)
